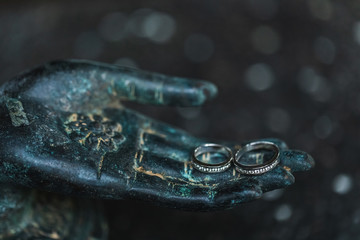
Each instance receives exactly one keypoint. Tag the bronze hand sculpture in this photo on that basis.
(64, 130)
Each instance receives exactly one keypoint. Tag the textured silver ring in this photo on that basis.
(209, 148)
(257, 169)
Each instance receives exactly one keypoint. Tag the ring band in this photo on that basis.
(212, 148)
(257, 169)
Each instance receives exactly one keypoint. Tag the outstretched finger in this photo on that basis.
(75, 85)
(141, 86)
(296, 161)
(159, 89)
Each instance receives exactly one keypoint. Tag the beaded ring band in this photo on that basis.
(208, 148)
(257, 169)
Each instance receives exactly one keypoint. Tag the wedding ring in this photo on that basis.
(206, 150)
(258, 168)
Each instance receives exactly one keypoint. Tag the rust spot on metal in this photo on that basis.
(185, 167)
(154, 132)
(91, 117)
(105, 119)
(96, 133)
(136, 154)
(52, 235)
(287, 168)
(141, 156)
(99, 141)
(148, 172)
(148, 131)
(118, 127)
(237, 147)
(73, 117)
(100, 167)
(16, 112)
(83, 140)
(141, 137)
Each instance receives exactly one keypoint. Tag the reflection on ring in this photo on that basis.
(257, 169)
(210, 148)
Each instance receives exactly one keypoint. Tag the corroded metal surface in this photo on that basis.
(28, 214)
(64, 130)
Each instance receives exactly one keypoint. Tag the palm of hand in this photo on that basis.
(64, 130)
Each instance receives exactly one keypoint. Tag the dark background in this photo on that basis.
(286, 69)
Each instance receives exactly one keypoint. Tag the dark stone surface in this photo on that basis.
(311, 100)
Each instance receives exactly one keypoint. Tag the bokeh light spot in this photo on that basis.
(273, 195)
(323, 127)
(325, 50)
(159, 27)
(265, 40)
(342, 184)
(259, 77)
(283, 212)
(321, 9)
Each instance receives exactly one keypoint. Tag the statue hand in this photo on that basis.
(64, 130)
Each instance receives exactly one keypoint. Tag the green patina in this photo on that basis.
(16, 112)
(84, 142)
